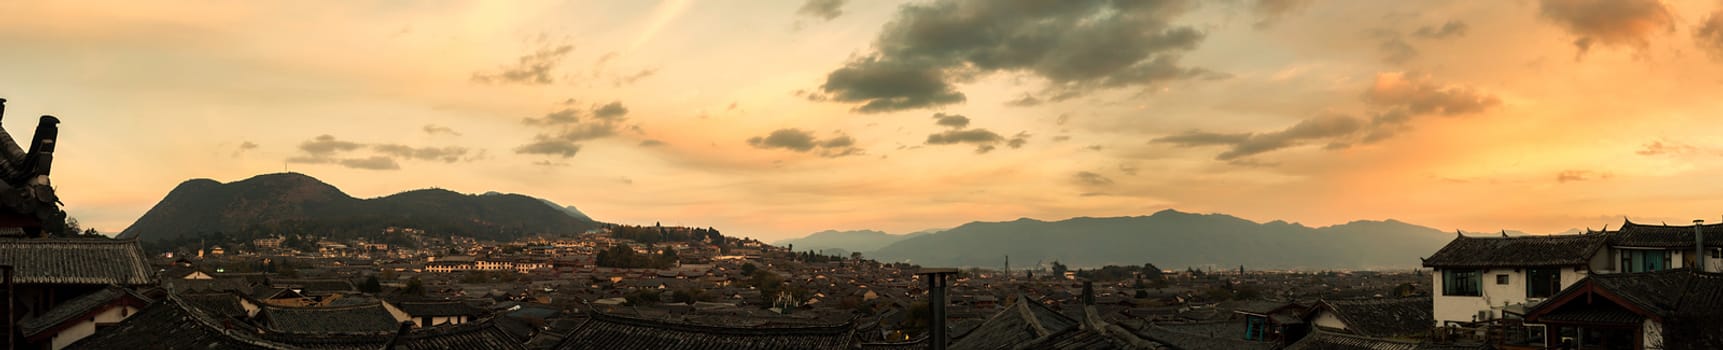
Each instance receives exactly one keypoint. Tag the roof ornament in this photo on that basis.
(26, 195)
(1504, 233)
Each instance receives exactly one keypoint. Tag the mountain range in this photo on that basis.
(1169, 239)
(295, 203)
(841, 242)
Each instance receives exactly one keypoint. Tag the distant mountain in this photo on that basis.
(571, 210)
(847, 241)
(296, 203)
(1172, 239)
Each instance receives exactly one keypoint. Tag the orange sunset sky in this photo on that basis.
(773, 119)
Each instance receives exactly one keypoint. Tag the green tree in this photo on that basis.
(748, 269)
(414, 287)
(1059, 269)
(371, 285)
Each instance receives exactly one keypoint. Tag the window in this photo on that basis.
(1462, 283)
(1502, 279)
(1542, 283)
(1644, 260)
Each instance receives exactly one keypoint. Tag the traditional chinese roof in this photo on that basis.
(1649, 294)
(169, 325)
(27, 199)
(314, 286)
(1023, 321)
(369, 318)
(613, 332)
(438, 308)
(76, 260)
(218, 304)
(1187, 341)
(79, 308)
(1324, 340)
(1523, 251)
(1662, 236)
(1383, 318)
(477, 335)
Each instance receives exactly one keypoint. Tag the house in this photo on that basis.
(434, 313)
(367, 318)
(1642, 248)
(1385, 318)
(1477, 278)
(1647, 310)
(172, 324)
(606, 331)
(72, 277)
(81, 317)
(1273, 322)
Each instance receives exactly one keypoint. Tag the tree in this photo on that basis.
(748, 269)
(1059, 269)
(371, 285)
(856, 255)
(414, 287)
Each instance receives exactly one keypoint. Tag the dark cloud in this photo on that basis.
(326, 149)
(244, 146)
(983, 139)
(443, 154)
(1709, 34)
(1567, 176)
(550, 147)
(1027, 101)
(803, 141)
(1076, 46)
(1087, 178)
(822, 9)
(1454, 28)
(951, 120)
(1395, 98)
(325, 145)
(570, 125)
(1270, 11)
(1609, 22)
(370, 163)
(1418, 95)
(1128, 169)
(434, 129)
(533, 68)
(651, 143)
(1394, 48)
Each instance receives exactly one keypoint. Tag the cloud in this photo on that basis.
(651, 143)
(1609, 22)
(1454, 28)
(326, 149)
(1091, 179)
(1671, 148)
(1567, 176)
(1076, 46)
(443, 154)
(1027, 101)
(1418, 95)
(1396, 100)
(550, 146)
(803, 141)
(371, 163)
(1270, 11)
(983, 139)
(244, 146)
(434, 129)
(631, 78)
(1708, 35)
(951, 120)
(571, 125)
(822, 9)
(1394, 48)
(532, 69)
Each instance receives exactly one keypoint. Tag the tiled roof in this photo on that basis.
(76, 261)
(309, 286)
(477, 335)
(78, 306)
(1187, 341)
(1523, 251)
(371, 318)
(1023, 321)
(219, 304)
(169, 325)
(437, 308)
(1661, 293)
(1660, 236)
(612, 332)
(1595, 315)
(1323, 340)
(1383, 318)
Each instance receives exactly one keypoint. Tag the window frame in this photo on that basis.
(1470, 282)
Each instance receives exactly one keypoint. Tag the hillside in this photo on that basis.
(296, 203)
(853, 241)
(1172, 239)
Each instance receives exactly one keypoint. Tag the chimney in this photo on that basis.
(936, 286)
(1699, 245)
(1088, 293)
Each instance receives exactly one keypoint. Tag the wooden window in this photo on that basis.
(1502, 279)
(1542, 283)
(1462, 283)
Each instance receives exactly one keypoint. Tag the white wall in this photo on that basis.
(1494, 296)
(87, 327)
(1653, 334)
(1327, 320)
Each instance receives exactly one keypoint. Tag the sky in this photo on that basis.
(773, 119)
